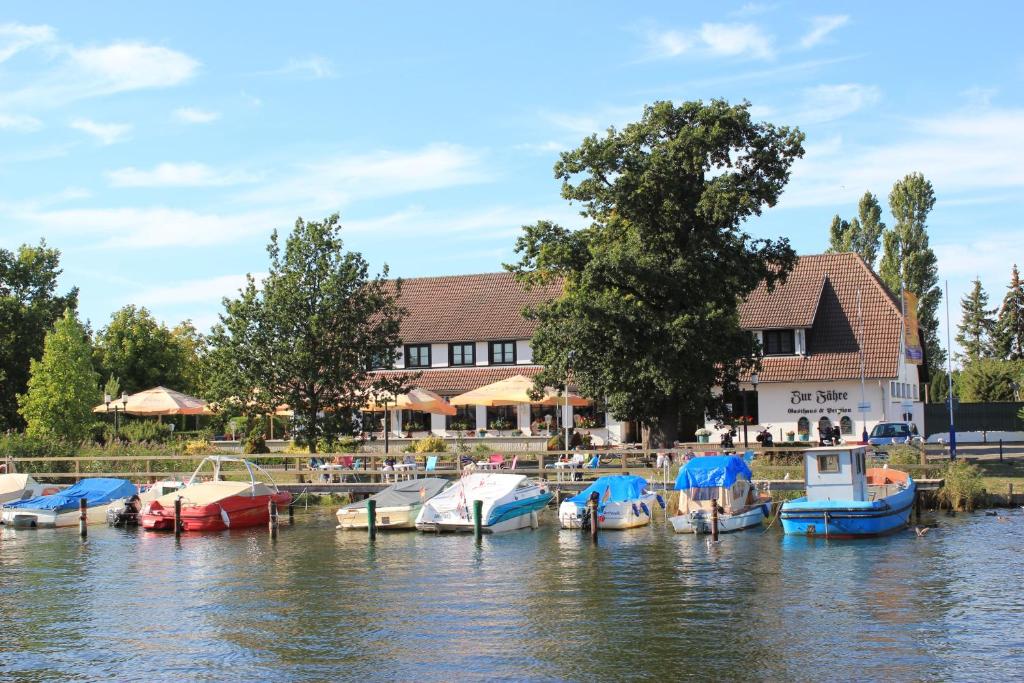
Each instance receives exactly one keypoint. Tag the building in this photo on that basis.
(816, 329)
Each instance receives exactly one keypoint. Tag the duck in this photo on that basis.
(921, 531)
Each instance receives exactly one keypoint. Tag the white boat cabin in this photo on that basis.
(836, 473)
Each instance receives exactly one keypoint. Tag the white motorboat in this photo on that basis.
(15, 487)
(624, 502)
(397, 506)
(62, 508)
(722, 480)
(510, 501)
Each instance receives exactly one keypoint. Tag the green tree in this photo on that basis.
(1008, 337)
(112, 387)
(908, 262)
(840, 239)
(29, 306)
(989, 379)
(648, 319)
(62, 387)
(309, 336)
(141, 352)
(191, 347)
(867, 228)
(976, 324)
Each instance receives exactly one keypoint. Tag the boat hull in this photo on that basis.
(51, 519)
(526, 520)
(627, 514)
(395, 517)
(234, 512)
(699, 522)
(849, 519)
(520, 514)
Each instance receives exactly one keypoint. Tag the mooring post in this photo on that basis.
(1010, 494)
(272, 517)
(1000, 450)
(291, 511)
(177, 517)
(592, 507)
(714, 519)
(371, 519)
(83, 513)
(478, 521)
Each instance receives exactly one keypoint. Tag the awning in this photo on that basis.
(515, 390)
(418, 399)
(157, 401)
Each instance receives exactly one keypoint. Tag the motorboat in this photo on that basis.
(846, 499)
(212, 503)
(510, 501)
(22, 487)
(717, 480)
(61, 509)
(397, 505)
(624, 502)
(127, 514)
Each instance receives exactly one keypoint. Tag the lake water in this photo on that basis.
(319, 604)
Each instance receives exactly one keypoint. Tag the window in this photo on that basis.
(501, 418)
(415, 421)
(463, 420)
(803, 426)
(503, 353)
(588, 417)
(916, 394)
(858, 462)
(417, 356)
(462, 354)
(846, 425)
(828, 463)
(778, 342)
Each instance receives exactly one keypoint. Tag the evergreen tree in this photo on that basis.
(976, 324)
(1008, 337)
(62, 386)
(908, 260)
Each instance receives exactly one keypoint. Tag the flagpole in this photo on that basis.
(860, 347)
(949, 373)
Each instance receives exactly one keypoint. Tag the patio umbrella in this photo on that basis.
(512, 391)
(159, 401)
(422, 400)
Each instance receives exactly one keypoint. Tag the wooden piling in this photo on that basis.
(592, 507)
(1009, 497)
(272, 517)
(714, 519)
(83, 514)
(371, 519)
(478, 513)
(291, 512)
(1000, 450)
(177, 517)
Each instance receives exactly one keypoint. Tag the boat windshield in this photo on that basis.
(223, 468)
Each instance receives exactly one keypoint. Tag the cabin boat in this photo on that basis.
(61, 509)
(722, 480)
(510, 501)
(216, 504)
(623, 503)
(846, 499)
(15, 487)
(397, 505)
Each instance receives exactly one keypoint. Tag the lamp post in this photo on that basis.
(745, 414)
(753, 381)
(107, 400)
(565, 413)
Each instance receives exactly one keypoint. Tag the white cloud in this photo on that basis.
(313, 67)
(830, 102)
(193, 115)
(105, 133)
(752, 9)
(989, 255)
(711, 40)
(821, 27)
(20, 122)
(17, 37)
(205, 290)
(176, 175)
(487, 223)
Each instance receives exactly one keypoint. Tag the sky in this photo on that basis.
(157, 145)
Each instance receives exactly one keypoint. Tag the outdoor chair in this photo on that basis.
(594, 463)
(497, 461)
(510, 466)
(431, 464)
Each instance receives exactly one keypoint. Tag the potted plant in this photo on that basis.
(703, 434)
(500, 425)
(790, 434)
(481, 433)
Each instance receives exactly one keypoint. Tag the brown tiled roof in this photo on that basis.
(453, 381)
(832, 341)
(481, 307)
(790, 305)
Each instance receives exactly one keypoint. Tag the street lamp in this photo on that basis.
(107, 400)
(753, 381)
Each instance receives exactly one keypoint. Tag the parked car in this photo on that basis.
(888, 433)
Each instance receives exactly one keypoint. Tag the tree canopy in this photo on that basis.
(648, 320)
(976, 324)
(308, 335)
(62, 387)
(1009, 329)
(29, 306)
(860, 235)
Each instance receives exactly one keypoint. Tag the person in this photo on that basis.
(837, 435)
(660, 460)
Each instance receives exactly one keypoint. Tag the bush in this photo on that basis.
(963, 487)
(555, 443)
(139, 431)
(904, 455)
(344, 444)
(198, 447)
(430, 444)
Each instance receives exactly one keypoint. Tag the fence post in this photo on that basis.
(1000, 450)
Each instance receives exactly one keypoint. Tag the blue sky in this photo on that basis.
(157, 145)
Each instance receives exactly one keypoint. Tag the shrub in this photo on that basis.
(344, 444)
(904, 455)
(430, 444)
(198, 447)
(963, 487)
(140, 431)
(555, 443)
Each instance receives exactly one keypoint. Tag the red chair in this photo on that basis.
(497, 461)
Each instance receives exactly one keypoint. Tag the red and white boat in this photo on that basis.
(214, 503)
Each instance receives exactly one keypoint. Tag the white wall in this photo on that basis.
(438, 355)
(481, 353)
(524, 353)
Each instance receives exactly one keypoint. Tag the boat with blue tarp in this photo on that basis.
(717, 480)
(846, 499)
(62, 508)
(624, 502)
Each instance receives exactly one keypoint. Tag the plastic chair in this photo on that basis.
(594, 463)
(431, 464)
(497, 461)
(509, 466)
(748, 457)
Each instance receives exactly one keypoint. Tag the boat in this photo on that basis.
(216, 504)
(846, 499)
(22, 487)
(722, 480)
(127, 513)
(510, 501)
(623, 503)
(62, 508)
(397, 505)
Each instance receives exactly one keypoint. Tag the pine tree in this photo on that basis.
(907, 259)
(1008, 337)
(62, 385)
(976, 324)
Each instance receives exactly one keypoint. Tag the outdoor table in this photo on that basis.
(407, 470)
(329, 469)
(562, 466)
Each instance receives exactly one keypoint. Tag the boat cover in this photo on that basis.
(404, 493)
(710, 471)
(98, 491)
(615, 488)
(13, 483)
(208, 492)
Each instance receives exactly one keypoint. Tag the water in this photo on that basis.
(320, 604)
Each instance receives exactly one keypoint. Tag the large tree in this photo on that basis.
(860, 235)
(908, 262)
(989, 379)
(308, 335)
(976, 324)
(63, 387)
(29, 306)
(1009, 330)
(142, 352)
(648, 319)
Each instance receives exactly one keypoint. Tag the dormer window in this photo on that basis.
(778, 342)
